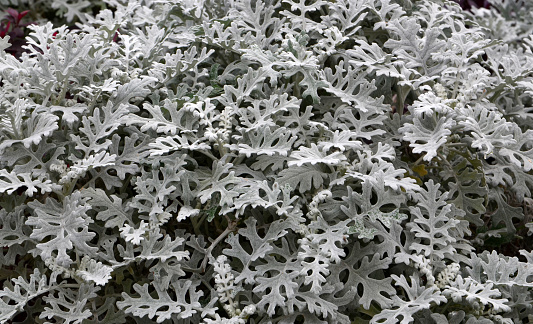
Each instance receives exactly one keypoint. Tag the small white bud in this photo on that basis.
(249, 310)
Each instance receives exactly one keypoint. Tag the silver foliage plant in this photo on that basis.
(280, 161)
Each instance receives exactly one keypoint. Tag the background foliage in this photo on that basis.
(293, 161)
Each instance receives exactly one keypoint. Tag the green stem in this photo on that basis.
(64, 89)
(197, 224)
(93, 102)
(45, 101)
(371, 311)
(238, 160)
(231, 227)
(14, 126)
(207, 153)
(456, 144)
(402, 95)
(221, 148)
(419, 159)
(296, 90)
(456, 83)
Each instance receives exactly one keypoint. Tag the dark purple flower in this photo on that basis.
(4, 29)
(15, 16)
(469, 4)
(12, 25)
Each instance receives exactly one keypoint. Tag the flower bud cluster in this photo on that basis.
(240, 319)
(225, 125)
(225, 286)
(224, 279)
(320, 197)
(446, 276)
(66, 173)
(124, 76)
(207, 115)
(71, 175)
(440, 91)
(424, 266)
(60, 167)
(498, 319)
(60, 267)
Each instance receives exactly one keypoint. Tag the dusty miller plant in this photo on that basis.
(284, 161)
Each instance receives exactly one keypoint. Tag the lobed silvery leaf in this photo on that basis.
(432, 223)
(31, 131)
(415, 52)
(314, 155)
(10, 182)
(95, 271)
(66, 223)
(263, 141)
(475, 293)
(418, 299)
(427, 135)
(12, 225)
(498, 270)
(16, 294)
(260, 246)
(161, 305)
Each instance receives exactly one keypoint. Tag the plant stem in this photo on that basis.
(196, 224)
(419, 159)
(64, 89)
(296, 89)
(456, 144)
(229, 229)
(207, 153)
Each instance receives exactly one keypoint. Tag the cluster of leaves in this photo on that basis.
(276, 161)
